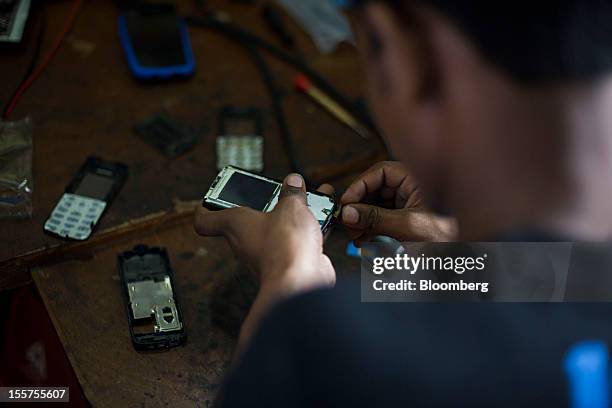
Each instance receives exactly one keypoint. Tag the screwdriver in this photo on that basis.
(303, 84)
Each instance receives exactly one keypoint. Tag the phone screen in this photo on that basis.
(95, 186)
(247, 191)
(156, 38)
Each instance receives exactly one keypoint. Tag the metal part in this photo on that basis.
(155, 298)
(166, 318)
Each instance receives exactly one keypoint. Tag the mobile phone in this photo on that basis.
(156, 42)
(234, 187)
(86, 198)
(154, 315)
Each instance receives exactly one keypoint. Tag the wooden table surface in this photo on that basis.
(85, 103)
(84, 299)
(86, 306)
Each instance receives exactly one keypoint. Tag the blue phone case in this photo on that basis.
(164, 72)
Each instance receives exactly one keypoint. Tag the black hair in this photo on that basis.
(536, 41)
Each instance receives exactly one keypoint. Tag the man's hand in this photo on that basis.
(385, 200)
(284, 248)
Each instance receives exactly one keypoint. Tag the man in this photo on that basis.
(500, 110)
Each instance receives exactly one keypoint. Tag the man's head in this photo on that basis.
(471, 94)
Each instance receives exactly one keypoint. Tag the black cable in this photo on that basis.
(244, 36)
(277, 108)
(33, 61)
(251, 43)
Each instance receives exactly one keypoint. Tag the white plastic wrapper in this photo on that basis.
(16, 169)
(322, 20)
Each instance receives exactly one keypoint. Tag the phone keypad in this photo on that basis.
(245, 152)
(75, 216)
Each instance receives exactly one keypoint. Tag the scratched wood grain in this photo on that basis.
(86, 102)
(85, 302)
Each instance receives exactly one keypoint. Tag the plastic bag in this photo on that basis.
(16, 169)
(323, 20)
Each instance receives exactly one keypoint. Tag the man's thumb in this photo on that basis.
(293, 186)
(371, 219)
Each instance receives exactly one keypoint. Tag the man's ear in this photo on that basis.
(402, 88)
(394, 51)
(397, 64)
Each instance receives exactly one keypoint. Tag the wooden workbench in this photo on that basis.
(84, 299)
(85, 103)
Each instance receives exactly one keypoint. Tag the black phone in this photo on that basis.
(154, 315)
(86, 198)
(234, 187)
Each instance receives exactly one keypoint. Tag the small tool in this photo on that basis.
(303, 84)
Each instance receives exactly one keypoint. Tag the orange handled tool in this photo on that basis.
(303, 84)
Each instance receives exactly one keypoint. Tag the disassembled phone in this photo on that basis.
(153, 312)
(234, 187)
(166, 134)
(86, 198)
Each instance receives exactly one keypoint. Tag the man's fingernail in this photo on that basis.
(350, 215)
(294, 180)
